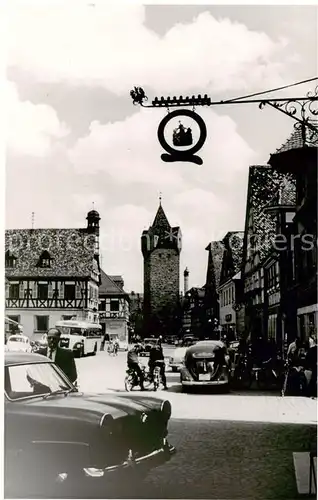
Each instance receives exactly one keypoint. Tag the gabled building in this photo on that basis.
(270, 204)
(161, 247)
(231, 315)
(298, 158)
(113, 307)
(52, 274)
(194, 315)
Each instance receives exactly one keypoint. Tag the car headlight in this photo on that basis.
(106, 422)
(78, 345)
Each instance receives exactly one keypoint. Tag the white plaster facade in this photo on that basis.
(227, 300)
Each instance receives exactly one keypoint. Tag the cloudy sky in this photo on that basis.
(74, 136)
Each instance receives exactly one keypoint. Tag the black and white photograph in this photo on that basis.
(160, 240)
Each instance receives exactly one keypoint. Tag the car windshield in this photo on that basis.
(17, 339)
(35, 379)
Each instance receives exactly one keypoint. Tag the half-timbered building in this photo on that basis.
(270, 207)
(113, 307)
(52, 274)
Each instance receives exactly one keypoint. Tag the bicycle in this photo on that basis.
(132, 379)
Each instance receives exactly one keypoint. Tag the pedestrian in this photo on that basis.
(311, 370)
(62, 357)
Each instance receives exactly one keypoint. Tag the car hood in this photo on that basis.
(16, 348)
(92, 407)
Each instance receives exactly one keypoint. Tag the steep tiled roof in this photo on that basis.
(296, 140)
(118, 280)
(161, 221)
(267, 187)
(71, 252)
(284, 195)
(108, 286)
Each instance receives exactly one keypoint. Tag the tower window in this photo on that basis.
(160, 255)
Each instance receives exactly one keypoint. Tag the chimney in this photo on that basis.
(186, 280)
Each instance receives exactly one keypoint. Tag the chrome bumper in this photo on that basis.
(204, 382)
(161, 455)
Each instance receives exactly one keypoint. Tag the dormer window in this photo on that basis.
(10, 260)
(45, 260)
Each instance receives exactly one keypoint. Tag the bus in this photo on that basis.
(80, 336)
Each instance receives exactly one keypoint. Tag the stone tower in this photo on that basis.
(161, 247)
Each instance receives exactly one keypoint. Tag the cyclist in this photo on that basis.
(133, 364)
(156, 358)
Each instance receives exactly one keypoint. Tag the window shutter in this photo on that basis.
(61, 290)
(50, 290)
(7, 291)
(35, 290)
(21, 289)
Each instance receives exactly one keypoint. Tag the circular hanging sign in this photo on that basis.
(182, 137)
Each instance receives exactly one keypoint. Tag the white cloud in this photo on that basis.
(109, 45)
(31, 128)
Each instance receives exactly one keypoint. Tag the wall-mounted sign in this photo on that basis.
(182, 146)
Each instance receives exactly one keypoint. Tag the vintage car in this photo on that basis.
(176, 361)
(206, 363)
(59, 441)
(18, 343)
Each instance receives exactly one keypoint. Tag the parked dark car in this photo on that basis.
(58, 439)
(206, 363)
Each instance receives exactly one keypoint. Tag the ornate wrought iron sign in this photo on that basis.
(304, 110)
(182, 137)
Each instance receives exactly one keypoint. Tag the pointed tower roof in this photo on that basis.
(161, 221)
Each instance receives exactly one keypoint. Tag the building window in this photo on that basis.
(67, 317)
(43, 289)
(114, 305)
(69, 291)
(12, 327)
(10, 260)
(42, 323)
(102, 305)
(44, 260)
(14, 291)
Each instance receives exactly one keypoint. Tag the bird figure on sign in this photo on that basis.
(138, 95)
(182, 136)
